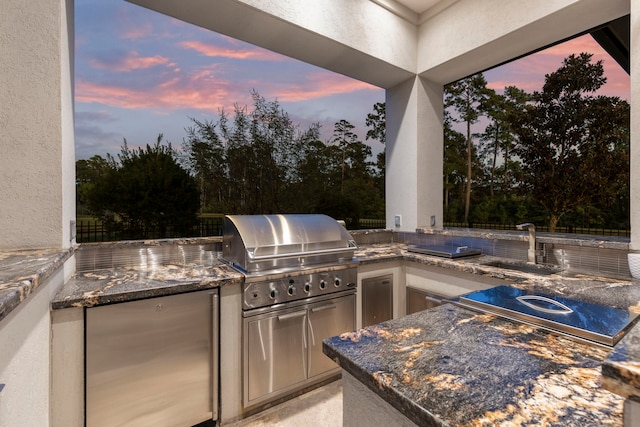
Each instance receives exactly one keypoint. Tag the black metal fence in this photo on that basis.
(596, 231)
(92, 230)
(368, 224)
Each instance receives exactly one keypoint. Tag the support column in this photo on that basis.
(635, 128)
(414, 155)
(37, 165)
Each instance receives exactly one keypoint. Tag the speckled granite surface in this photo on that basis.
(623, 294)
(87, 289)
(22, 272)
(452, 365)
(621, 368)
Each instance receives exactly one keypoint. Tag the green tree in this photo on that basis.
(468, 98)
(146, 193)
(249, 160)
(454, 166)
(312, 177)
(204, 155)
(343, 138)
(377, 123)
(88, 174)
(498, 137)
(257, 161)
(573, 144)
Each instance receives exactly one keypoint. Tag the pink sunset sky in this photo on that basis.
(139, 73)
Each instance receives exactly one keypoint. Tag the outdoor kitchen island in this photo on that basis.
(444, 365)
(453, 366)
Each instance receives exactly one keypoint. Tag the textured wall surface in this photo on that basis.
(25, 358)
(37, 191)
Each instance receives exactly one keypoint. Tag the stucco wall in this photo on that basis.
(357, 38)
(25, 356)
(359, 24)
(37, 191)
(414, 153)
(471, 36)
(635, 126)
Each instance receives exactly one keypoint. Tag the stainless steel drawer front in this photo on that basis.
(149, 362)
(282, 348)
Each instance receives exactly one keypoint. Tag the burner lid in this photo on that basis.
(604, 325)
(446, 251)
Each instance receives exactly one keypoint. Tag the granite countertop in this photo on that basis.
(104, 286)
(23, 271)
(621, 368)
(91, 288)
(618, 293)
(458, 367)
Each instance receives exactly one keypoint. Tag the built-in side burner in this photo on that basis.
(445, 251)
(601, 324)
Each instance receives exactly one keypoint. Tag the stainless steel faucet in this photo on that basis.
(531, 253)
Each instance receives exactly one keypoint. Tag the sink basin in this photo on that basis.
(541, 270)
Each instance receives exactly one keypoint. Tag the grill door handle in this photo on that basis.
(251, 254)
(289, 316)
(324, 307)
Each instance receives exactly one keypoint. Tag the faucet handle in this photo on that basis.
(525, 226)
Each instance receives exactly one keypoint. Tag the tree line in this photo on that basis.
(555, 156)
(248, 162)
(259, 161)
(558, 156)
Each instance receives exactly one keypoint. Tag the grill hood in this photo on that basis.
(258, 244)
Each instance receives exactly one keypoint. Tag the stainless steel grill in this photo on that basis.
(289, 257)
(300, 281)
(268, 244)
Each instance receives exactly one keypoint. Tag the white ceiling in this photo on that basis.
(418, 6)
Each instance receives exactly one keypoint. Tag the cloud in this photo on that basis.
(136, 32)
(318, 85)
(580, 44)
(199, 91)
(131, 61)
(91, 137)
(203, 89)
(211, 50)
(528, 73)
(83, 117)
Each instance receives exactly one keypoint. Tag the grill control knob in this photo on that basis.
(323, 284)
(307, 287)
(337, 282)
(273, 293)
(291, 290)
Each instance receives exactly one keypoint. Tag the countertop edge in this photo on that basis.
(397, 386)
(621, 368)
(94, 300)
(409, 409)
(17, 290)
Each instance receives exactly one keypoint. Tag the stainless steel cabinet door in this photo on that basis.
(418, 300)
(148, 362)
(327, 319)
(276, 352)
(377, 299)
